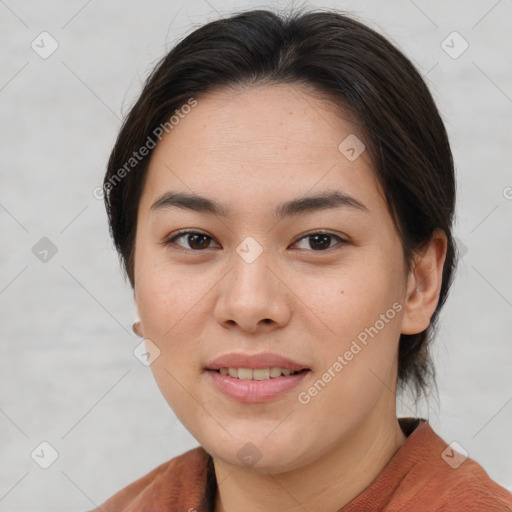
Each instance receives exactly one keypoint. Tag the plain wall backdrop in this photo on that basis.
(68, 373)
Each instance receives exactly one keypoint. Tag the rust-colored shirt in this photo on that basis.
(425, 474)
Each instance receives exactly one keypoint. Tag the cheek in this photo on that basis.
(359, 311)
(169, 305)
(166, 295)
(347, 299)
(359, 363)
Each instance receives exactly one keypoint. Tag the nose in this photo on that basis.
(252, 297)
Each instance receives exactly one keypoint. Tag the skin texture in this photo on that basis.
(250, 150)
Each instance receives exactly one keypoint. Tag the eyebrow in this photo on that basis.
(301, 205)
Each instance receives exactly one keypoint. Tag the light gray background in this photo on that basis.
(68, 375)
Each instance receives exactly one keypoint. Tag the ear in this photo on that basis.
(137, 327)
(424, 285)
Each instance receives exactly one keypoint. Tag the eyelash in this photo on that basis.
(169, 241)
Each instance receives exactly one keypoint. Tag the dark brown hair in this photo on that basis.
(345, 61)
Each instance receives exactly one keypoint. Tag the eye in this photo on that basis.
(320, 241)
(196, 241)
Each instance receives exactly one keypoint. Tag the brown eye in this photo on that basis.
(196, 241)
(321, 241)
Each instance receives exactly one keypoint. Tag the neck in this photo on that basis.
(329, 483)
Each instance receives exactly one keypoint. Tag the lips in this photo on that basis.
(256, 387)
(255, 361)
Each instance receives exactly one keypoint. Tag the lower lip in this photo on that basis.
(255, 391)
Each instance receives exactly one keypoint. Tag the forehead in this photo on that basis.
(266, 140)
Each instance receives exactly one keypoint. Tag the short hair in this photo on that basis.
(342, 60)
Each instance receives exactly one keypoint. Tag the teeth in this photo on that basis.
(260, 374)
(244, 373)
(256, 374)
(275, 372)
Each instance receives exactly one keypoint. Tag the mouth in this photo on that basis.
(244, 366)
(258, 374)
(255, 378)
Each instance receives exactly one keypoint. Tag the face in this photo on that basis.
(319, 283)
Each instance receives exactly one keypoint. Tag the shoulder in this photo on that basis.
(428, 474)
(446, 479)
(183, 476)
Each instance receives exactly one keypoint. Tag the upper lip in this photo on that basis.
(255, 361)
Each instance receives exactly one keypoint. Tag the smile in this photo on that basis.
(256, 373)
(253, 385)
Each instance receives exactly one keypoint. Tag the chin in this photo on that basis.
(257, 453)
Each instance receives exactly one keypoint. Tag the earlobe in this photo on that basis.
(137, 329)
(424, 285)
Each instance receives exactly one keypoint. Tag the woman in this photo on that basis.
(281, 197)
